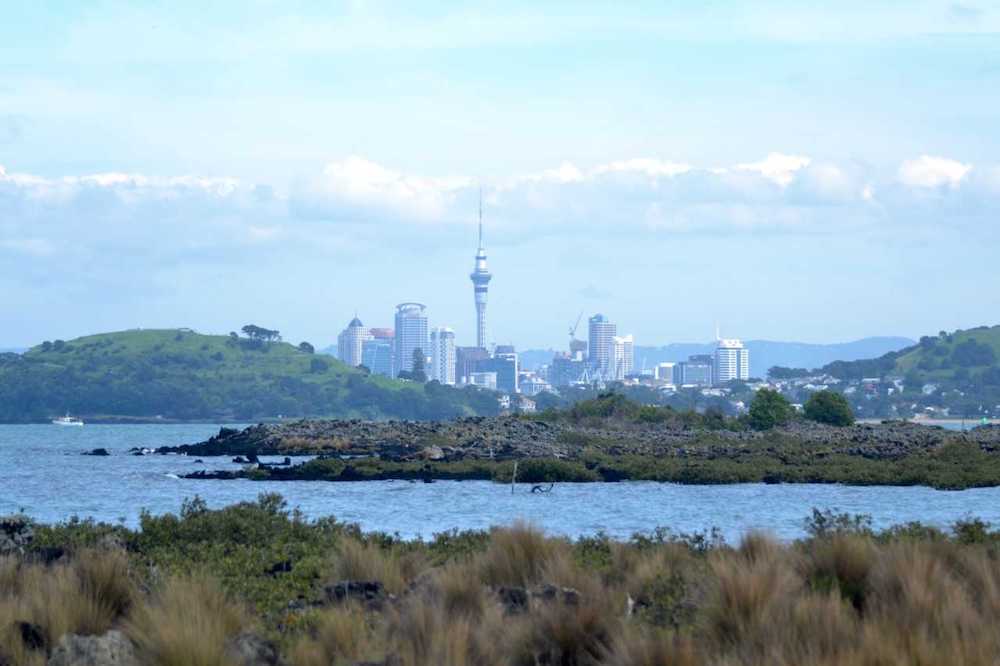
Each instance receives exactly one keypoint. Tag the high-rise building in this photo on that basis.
(600, 333)
(410, 334)
(664, 372)
(480, 283)
(621, 359)
(505, 369)
(442, 355)
(732, 361)
(376, 351)
(696, 371)
(465, 361)
(566, 370)
(486, 380)
(508, 353)
(350, 342)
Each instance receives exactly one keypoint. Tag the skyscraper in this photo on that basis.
(350, 342)
(621, 359)
(377, 352)
(480, 282)
(599, 343)
(442, 355)
(732, 361)
(411, 334)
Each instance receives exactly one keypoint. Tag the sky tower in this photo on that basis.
(480, 281)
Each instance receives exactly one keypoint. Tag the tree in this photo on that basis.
(260, 335)
(769, 409)
(829, 407)
(781, 372)
(971, 353)
(418, 373)
(307, 348)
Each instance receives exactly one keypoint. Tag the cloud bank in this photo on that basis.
(355, 198)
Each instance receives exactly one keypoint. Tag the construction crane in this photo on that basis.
(574, 344)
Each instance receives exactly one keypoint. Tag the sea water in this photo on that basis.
(43, 473)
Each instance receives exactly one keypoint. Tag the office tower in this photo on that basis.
(621, 357)
(350, 341)
(566, 370)
(508, 353)
(486, 380)
(480, 283)
(696, 371)
(410, 334)
(465, 362)
(376, 351)
(442, 355)
(664, 372)
(600, 333)
(505, 369)
(732, 361)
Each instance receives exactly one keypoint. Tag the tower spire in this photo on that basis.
(480, 216)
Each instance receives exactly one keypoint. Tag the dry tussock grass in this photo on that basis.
(186, 623)
(837, 600)
(85, 596)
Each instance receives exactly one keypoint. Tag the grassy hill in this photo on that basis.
(180, 374)
(960, 356)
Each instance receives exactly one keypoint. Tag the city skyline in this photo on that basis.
(820, 174)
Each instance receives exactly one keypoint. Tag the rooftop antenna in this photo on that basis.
(717, 335)
(480, 216)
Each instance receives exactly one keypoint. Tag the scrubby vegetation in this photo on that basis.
(185, 589)
(183, 375)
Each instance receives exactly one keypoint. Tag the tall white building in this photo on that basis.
(442, 355)
(410, 335)
(350, 343)
(621, 357)
(600, 333)
(732, 361)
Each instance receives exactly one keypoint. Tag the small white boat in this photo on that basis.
(67, 421)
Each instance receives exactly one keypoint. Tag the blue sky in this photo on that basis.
(788, 171)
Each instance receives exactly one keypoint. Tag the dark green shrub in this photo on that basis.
(829, 407)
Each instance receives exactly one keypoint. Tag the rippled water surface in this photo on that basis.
(42, 471)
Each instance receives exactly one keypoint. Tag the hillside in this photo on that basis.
(183, 375)
(959, 356)
(764, 354)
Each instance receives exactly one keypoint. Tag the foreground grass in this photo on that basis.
(183, 588)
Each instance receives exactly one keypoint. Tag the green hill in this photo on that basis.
(183, 375)
(961, 356)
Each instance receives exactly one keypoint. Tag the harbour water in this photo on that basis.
(43, 473)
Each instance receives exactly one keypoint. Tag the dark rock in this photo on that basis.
(31, 635)
(16, 534)
(97, 452)
(369, 592)
(199, 461)
(111, 649)
(48, 554)
(552, 593)
(513, 599)
(249, 649)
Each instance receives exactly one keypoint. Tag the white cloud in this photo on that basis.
(777, 167)
(927, 171)
(360, 183)
(650, 167)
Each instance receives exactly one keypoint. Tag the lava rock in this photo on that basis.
(249, 649)
(16, 534)
(111, 649)
(97, 452)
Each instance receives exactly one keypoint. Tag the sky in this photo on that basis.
(782, 170)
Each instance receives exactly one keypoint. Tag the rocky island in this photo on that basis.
(611, 439)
